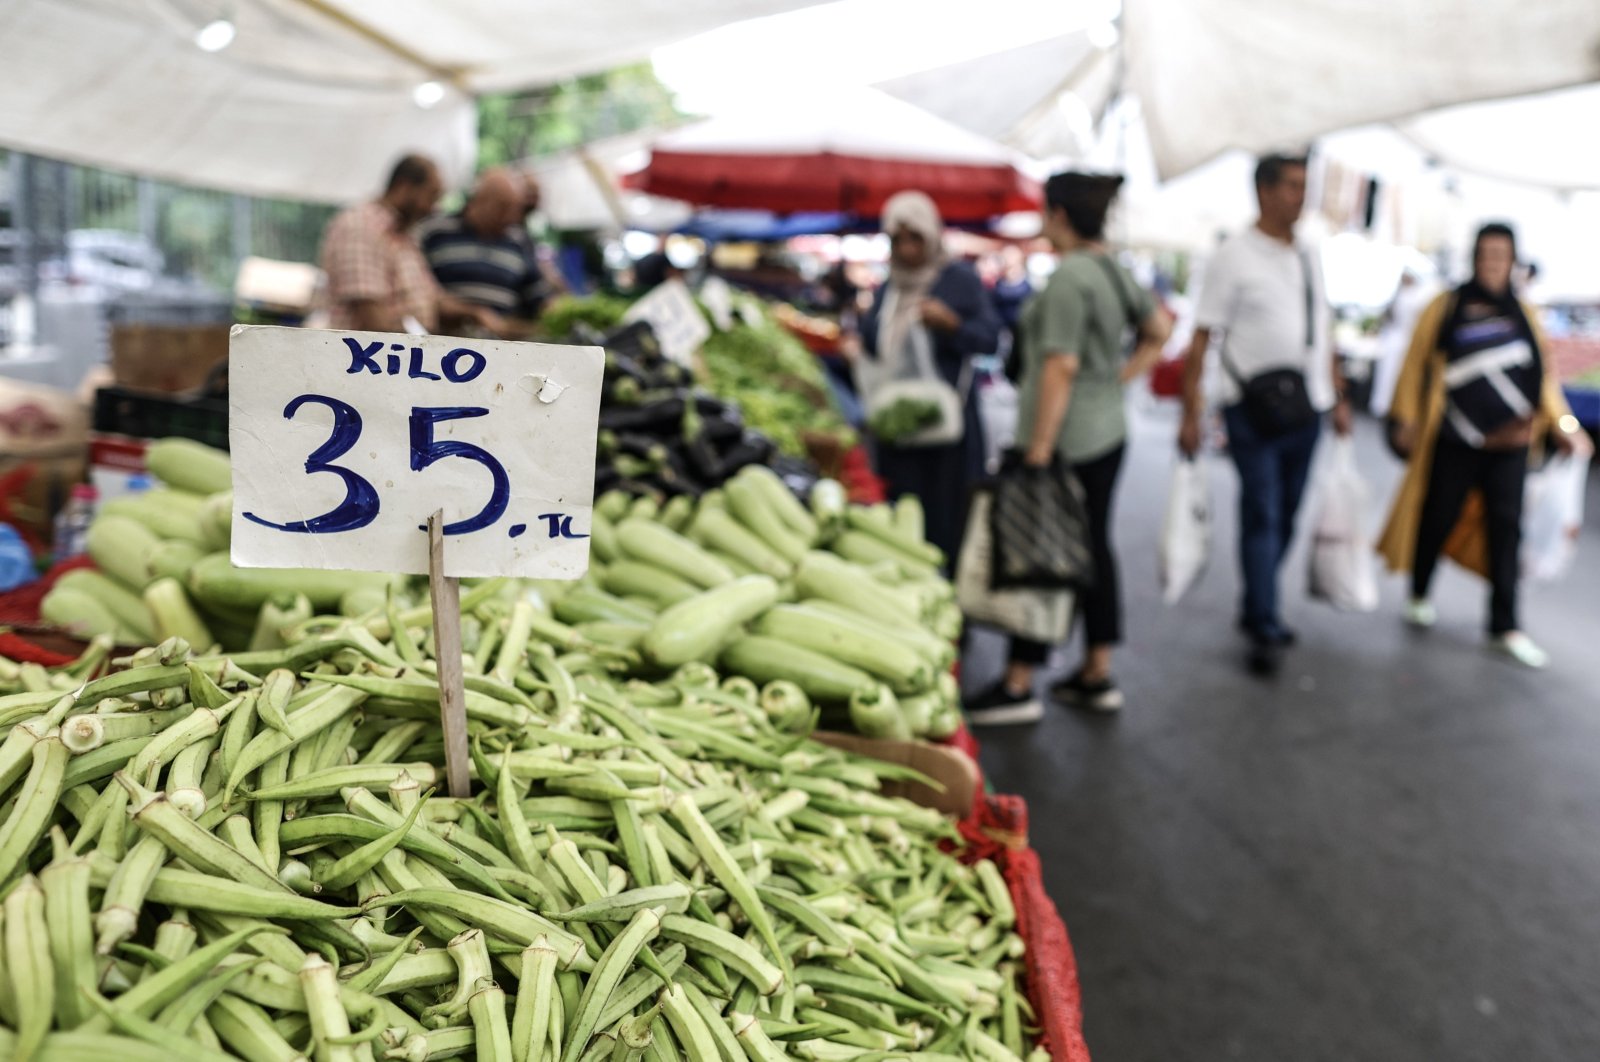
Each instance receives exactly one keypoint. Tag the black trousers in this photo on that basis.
(1499, 474)
(1100, 605)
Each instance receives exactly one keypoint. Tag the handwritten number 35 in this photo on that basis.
(360, 505)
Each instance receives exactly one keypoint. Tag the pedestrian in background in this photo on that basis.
(1262, 295)
(1474, 399)
(936, 307)
(1071, 412)
(377, 277)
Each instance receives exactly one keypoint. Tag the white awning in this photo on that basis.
(1219, 74)
(312, 99)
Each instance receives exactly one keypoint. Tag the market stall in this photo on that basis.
(838, 152)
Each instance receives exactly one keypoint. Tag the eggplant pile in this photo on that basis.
(662, 435)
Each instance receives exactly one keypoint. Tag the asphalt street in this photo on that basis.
(1391, 852)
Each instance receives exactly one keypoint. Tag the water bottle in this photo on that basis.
(72, 522)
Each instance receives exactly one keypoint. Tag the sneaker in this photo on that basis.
(1420, 613)
(1101, 695)
(1265, 659)
(998, 706)
(1521, 648)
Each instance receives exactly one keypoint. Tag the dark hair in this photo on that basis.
(1085, 197)
(1269, 168)
(410, 171)
(1490, 231)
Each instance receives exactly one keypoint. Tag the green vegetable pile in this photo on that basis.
(776, 381)
(903, 418)
(763, 368)
(245, 856)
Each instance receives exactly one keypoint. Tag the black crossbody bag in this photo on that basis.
(1276, 402)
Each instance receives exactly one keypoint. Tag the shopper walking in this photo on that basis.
(1262, 294)
(926, 324)
(1474, 400)
(1071, 413)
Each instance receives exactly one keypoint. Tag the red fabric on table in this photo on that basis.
(997, 829)
(860, 483)
(20, 607)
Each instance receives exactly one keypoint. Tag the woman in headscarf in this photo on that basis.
(1474, 399)
(930, 305)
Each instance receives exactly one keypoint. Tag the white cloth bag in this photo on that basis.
(1553, 516)
(1040, 615)
(1186, 529)
(1343, 565)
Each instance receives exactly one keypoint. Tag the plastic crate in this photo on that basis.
(154, 416)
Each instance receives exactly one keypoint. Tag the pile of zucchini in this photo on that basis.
(844, 605)
(161, 566)
(246, 856)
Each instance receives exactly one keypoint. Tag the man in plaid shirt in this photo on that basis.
(378, 280)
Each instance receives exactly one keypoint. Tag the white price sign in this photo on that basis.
(679, 325)
(344, 443)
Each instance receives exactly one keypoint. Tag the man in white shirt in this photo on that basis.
(1262, 294)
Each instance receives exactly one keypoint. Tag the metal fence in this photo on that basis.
(169, 229)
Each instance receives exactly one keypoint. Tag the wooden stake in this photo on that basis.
(446, 595)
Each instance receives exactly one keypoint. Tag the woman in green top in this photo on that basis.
(1070, 409)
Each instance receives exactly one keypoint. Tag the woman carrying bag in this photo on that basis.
(925, 326)
(1474, 400)
(1071, 415)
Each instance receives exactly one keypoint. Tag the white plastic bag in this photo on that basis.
(1343, 565)
(1039, 615)
(1552, 517)
(1186, 529)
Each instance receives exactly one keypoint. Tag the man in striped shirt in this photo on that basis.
(482, 254)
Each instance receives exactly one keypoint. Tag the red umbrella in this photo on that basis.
(846, 154)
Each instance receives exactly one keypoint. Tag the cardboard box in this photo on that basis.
(166, 358)
(44, 436)
(950, 767)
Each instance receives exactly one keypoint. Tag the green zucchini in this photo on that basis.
(875, 712)
(592, 605)
(172, 560)
(635, 578)
(664, 548)
(677, 513)
(856, 644)
(603, 538)
(690, 629)
(769, 660)
(832, 579)
(909, 519)
(749, 505)
(781, 500)
(171, 514)
(190, 466)
(866, 548)
(125, 606)
(215, 581)
(716, 529)
(877, 522)
(937, 651)
(613, 505)
(118, 546)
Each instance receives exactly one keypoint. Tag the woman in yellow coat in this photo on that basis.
(1474, 400)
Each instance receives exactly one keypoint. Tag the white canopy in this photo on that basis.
(314, 98)
(1220, 74)
(1042, 99)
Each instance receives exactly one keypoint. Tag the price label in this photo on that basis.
(679, 325)
(343, 443)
